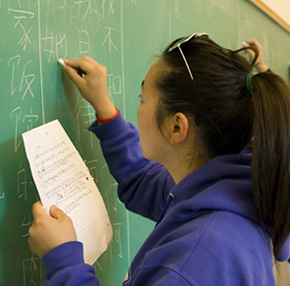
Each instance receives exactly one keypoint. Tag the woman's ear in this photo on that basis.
(177, 128)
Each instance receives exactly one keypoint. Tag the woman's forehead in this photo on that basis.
(155, 70)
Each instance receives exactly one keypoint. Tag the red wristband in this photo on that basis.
(104, 120)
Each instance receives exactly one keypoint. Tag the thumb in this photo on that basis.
(56, 213)
(37, 209)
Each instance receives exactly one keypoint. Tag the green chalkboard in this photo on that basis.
(124, 35)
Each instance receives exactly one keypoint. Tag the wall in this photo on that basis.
(124, 35)
(281, 8)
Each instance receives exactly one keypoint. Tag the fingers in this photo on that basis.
(85, 64)
(48, 232)
(37, 209)
(92, 70)
(74, 76)
(259, 61)
(82, 63)
(93, 86)
(253, 42)
(57, 213)
(75, 69)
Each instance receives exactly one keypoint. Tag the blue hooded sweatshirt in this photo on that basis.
(207, 231)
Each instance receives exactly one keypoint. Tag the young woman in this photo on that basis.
(211, 168)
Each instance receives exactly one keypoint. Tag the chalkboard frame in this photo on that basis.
(271, 13)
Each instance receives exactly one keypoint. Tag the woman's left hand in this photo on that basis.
(260, 64)
(48, 232)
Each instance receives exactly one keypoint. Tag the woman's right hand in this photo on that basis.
(92, 86)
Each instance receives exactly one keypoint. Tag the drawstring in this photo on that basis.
(165, 207)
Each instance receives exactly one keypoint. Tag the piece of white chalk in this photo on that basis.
(61, 62)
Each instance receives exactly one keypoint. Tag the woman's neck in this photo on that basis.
(180, 167)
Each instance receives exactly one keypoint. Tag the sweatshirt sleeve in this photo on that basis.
(143, 185)
(64, 265)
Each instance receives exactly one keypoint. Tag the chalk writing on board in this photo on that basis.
(109, 39)
(84, 42)
(33, 272)
(22, 183)
(107, 197)
(21, 17)
(51, 8)
(85, 8)
(84, 116)
(115, 199)
(24, 86)
(29, 120)
(111, 9)
(26, 223)
(114, 85)
(97, 7)
(41, 32)
(16, 113)
(117, 237)
(48, 45)
(99, 266)
(55, 45)
(112, 203)
(22, 122)
(27, 80)
(176, 8)
(13, 64)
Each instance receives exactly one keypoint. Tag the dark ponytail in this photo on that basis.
(271, 155)
(227, 115)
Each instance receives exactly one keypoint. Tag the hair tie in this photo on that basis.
(248, 81)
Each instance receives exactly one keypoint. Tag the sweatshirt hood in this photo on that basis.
(222, 184)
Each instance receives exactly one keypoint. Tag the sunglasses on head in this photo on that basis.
(184, 40)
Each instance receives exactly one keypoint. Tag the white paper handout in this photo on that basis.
(62, 178)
